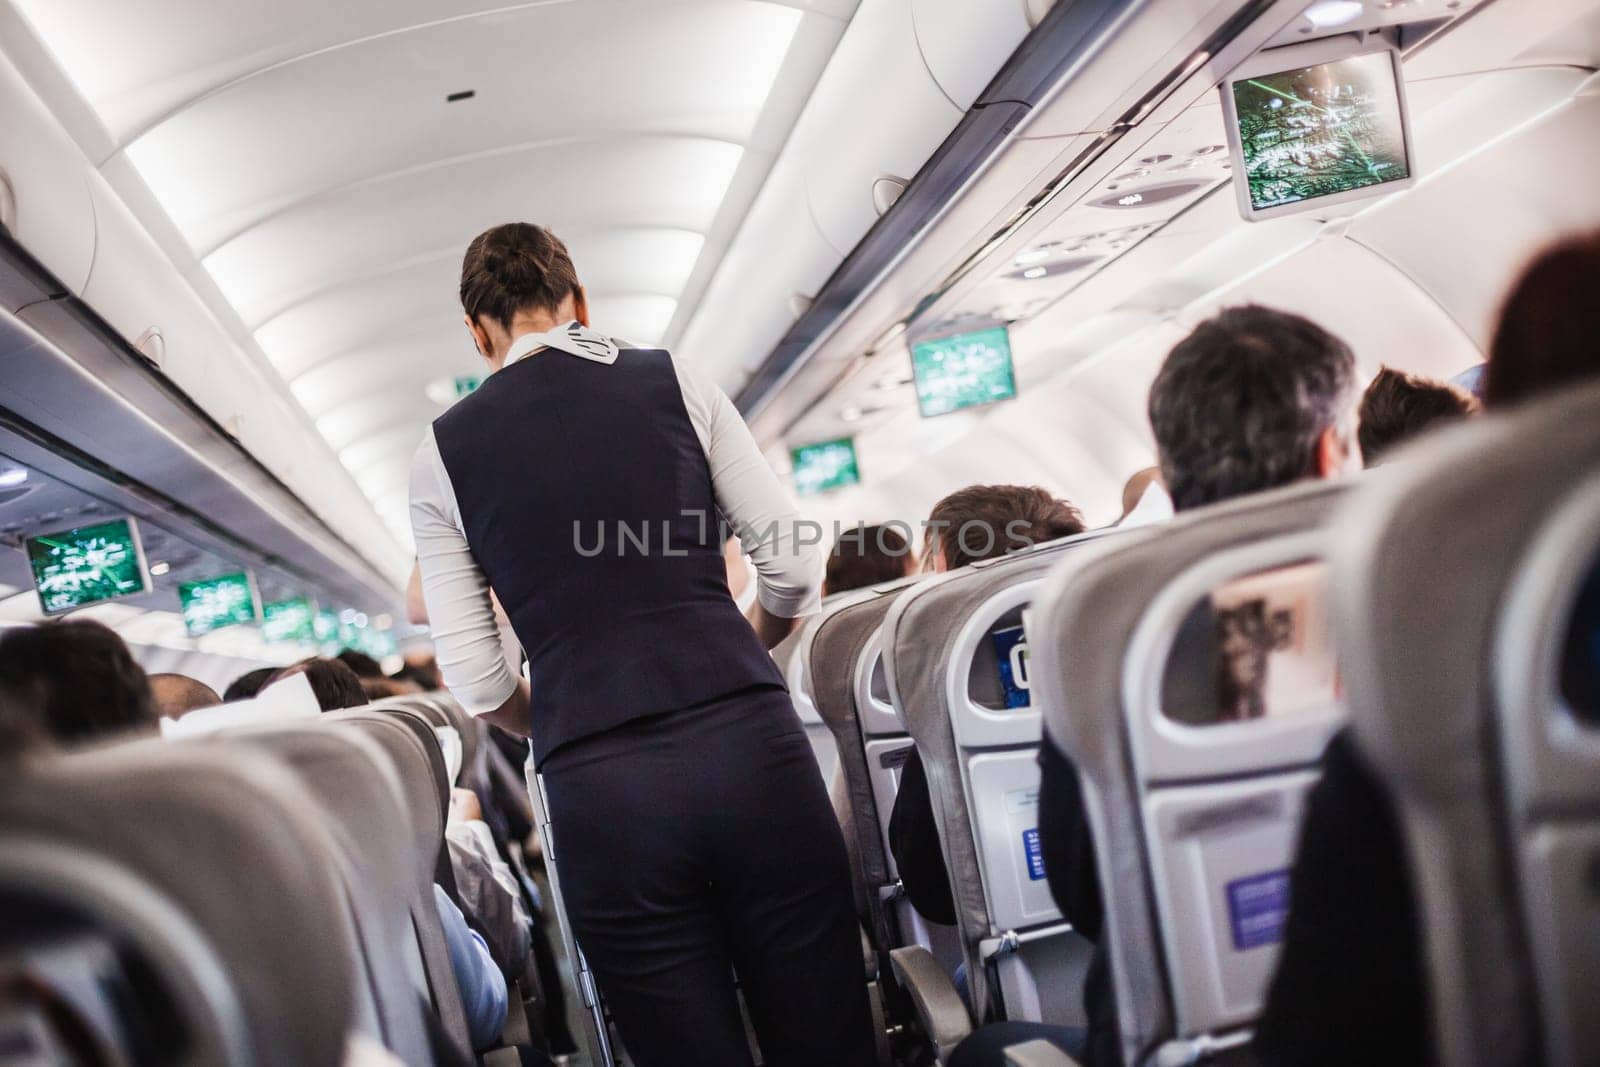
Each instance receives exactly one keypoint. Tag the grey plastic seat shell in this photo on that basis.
(924, 632)
(412, 747)
(239, 850)
(1459, 568)
(1098, 697)
(351, 776)
(829, 652)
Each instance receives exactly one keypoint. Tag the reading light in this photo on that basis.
(1035, 272)
(1326, 14)
(1130, 200)
(851, 414)
(1032, 255)
(13, 477)
(158, 569)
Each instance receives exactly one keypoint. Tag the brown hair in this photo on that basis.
(866, 555)
(984, 521)
(514, 267)
(1398, 406)
(1549, 331)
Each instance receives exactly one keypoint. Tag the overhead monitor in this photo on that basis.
(825, 465)
(289, 620)
(87, 565)
(1314, 125)
(212, 603)
(963, 371)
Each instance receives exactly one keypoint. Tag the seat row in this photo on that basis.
(1193, 674)
(263, 894)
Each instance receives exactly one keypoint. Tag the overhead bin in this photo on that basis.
(44, 195)
(963, 42)
(876, 113)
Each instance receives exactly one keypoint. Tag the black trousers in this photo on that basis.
(701, 843)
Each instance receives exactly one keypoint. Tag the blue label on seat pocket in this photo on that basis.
(1030, 848)
(1257, 908)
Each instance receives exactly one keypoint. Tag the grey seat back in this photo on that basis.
(224, 833)
(1194, 810)
(942, 665)
(358, 786)
(786, 655)
(830, 653)
(1459, 573)
(413, 749)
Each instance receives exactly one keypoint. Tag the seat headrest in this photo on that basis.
(225, 832)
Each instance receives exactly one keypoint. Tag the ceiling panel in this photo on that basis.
(309, 158)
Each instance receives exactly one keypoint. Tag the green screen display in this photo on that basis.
(962, 371)
(72, 568)
(826, 465)
(1321, 130)
(227, 600)
(289, 620)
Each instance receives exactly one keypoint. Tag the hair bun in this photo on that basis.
(513, 267)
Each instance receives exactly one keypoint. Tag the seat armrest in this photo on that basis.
(869, 958)
(939, 1007)
(1038, 1053)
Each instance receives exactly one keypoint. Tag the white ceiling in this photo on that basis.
(308, 157)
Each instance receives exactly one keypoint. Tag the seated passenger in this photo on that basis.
(1397, 407)
(865, 556)
(362, 664)
(1351, 948)
(1253, 399)
(483, 987)
(976, 523)
(335, 685)
(177, 694)
(248, 684)
(75, 680)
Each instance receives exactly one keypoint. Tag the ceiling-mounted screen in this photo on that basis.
(289, 620)
(825, 465)
(211, 604)
(963, 371)
(1314, 125)
(87, 565)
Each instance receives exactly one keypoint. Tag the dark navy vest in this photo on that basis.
(586, 500)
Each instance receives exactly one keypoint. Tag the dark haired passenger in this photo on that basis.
(1352, 950)
(972, 524)
(335, 684)
(75, 680)
(1398, 407)
(248, 684)
(362, 664)
(177, 694)
(865, 556)
(1253, 399)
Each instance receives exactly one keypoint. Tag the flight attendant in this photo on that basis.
(584, 483)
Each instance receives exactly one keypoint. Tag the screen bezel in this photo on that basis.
(916, 377)
(255, 601)
(138, 551)
(794, 466)
(1297, 57)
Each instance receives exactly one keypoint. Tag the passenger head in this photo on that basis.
(177, 694)
(381, 688)
(1398, 407)
(335, 685)
(984, 521)
(516, 271)
(76, 680)
(248, 684)
(364, 665)
(1134, 488)
(1253, 399)
(1549, 330)
(867, 555)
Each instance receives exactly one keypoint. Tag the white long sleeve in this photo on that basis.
(755, 502)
